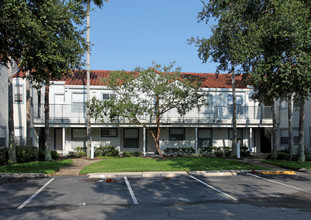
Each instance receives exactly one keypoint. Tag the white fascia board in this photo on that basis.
(223, 90)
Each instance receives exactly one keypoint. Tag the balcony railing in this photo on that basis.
(77, 113)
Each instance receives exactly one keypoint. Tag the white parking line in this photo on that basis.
(273, 181)
(217, 190)
(35, 194)
(131, 191)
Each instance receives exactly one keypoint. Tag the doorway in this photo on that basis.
(58, 139)
(265, 140)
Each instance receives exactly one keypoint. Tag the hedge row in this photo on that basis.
(25, 154)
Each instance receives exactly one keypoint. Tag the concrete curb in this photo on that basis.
(305, 170)
(166, 174)
(24, 175)
(136, 174)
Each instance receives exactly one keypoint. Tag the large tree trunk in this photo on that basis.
(48, 156)
(28, 128)
(234, 117)
(290, 127)
(12, 147)
(157, 138)
(88, 118)
(275, 131)
(301, 150)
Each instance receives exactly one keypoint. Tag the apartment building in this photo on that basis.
(209, 126)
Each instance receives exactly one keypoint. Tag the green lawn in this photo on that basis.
(48, 167)
(134, 164)
(295, 165)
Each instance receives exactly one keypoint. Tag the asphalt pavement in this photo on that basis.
(183, 196)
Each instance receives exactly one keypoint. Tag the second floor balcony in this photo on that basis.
(73, 114)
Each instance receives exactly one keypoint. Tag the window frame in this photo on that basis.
(101, 132)
(83, 110)
(15, 93)
(284, 139)
(177, 139)
(239, 107)
(129, 139)
(210, 139)
(3, 135)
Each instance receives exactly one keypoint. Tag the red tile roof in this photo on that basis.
(208, 80)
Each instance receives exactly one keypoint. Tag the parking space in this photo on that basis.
(136, 191)
(75, 191)
(168, 190)
(14, 191)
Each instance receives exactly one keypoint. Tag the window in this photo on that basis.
(210, 106)
(131, 138)
(284, 136)
(2, 136)
(18, 133)
(107, 96)
(239, 135)
(78, 137)
(78, 102)
(177, 134)
(18, 94)
(239, 103)
(204, 137)
(109, 132)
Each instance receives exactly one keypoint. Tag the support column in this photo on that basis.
(144, 141)
(64, 139)
(251, 140)
(196, 140)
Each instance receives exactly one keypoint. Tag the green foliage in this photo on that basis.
(55, 155)
(179, 151)
(126, 154)
(48, 167)
(43, 35)
(26, 154)
(41, 155)
(4, 155)
(109, 151)
(133, 164)
(145, 95)
(72, 154)
(131, 154)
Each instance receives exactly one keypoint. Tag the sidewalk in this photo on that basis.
(74, 169)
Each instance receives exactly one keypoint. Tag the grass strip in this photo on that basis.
(136, 164)
(294, 165)
(48, 167)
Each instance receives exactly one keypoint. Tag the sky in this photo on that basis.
(129, 33)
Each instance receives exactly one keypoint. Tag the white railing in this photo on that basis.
(71, 113)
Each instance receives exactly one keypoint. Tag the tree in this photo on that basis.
(221, 46)
(12, 147)
(144, 96)
(44, 37)
(98, 3)
(272, 42)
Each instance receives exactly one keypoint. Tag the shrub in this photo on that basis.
(4, 156)
(283, 155)
(54, 155)
(136, 154)
(227, 151)
(81, 154)
(109, 151)
(41, 155)
(245, 153)
(26, 153)
(179, 151)
(205, 149)
(72, 154)
(126, 154)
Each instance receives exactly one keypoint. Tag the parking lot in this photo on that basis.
(182, 197)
